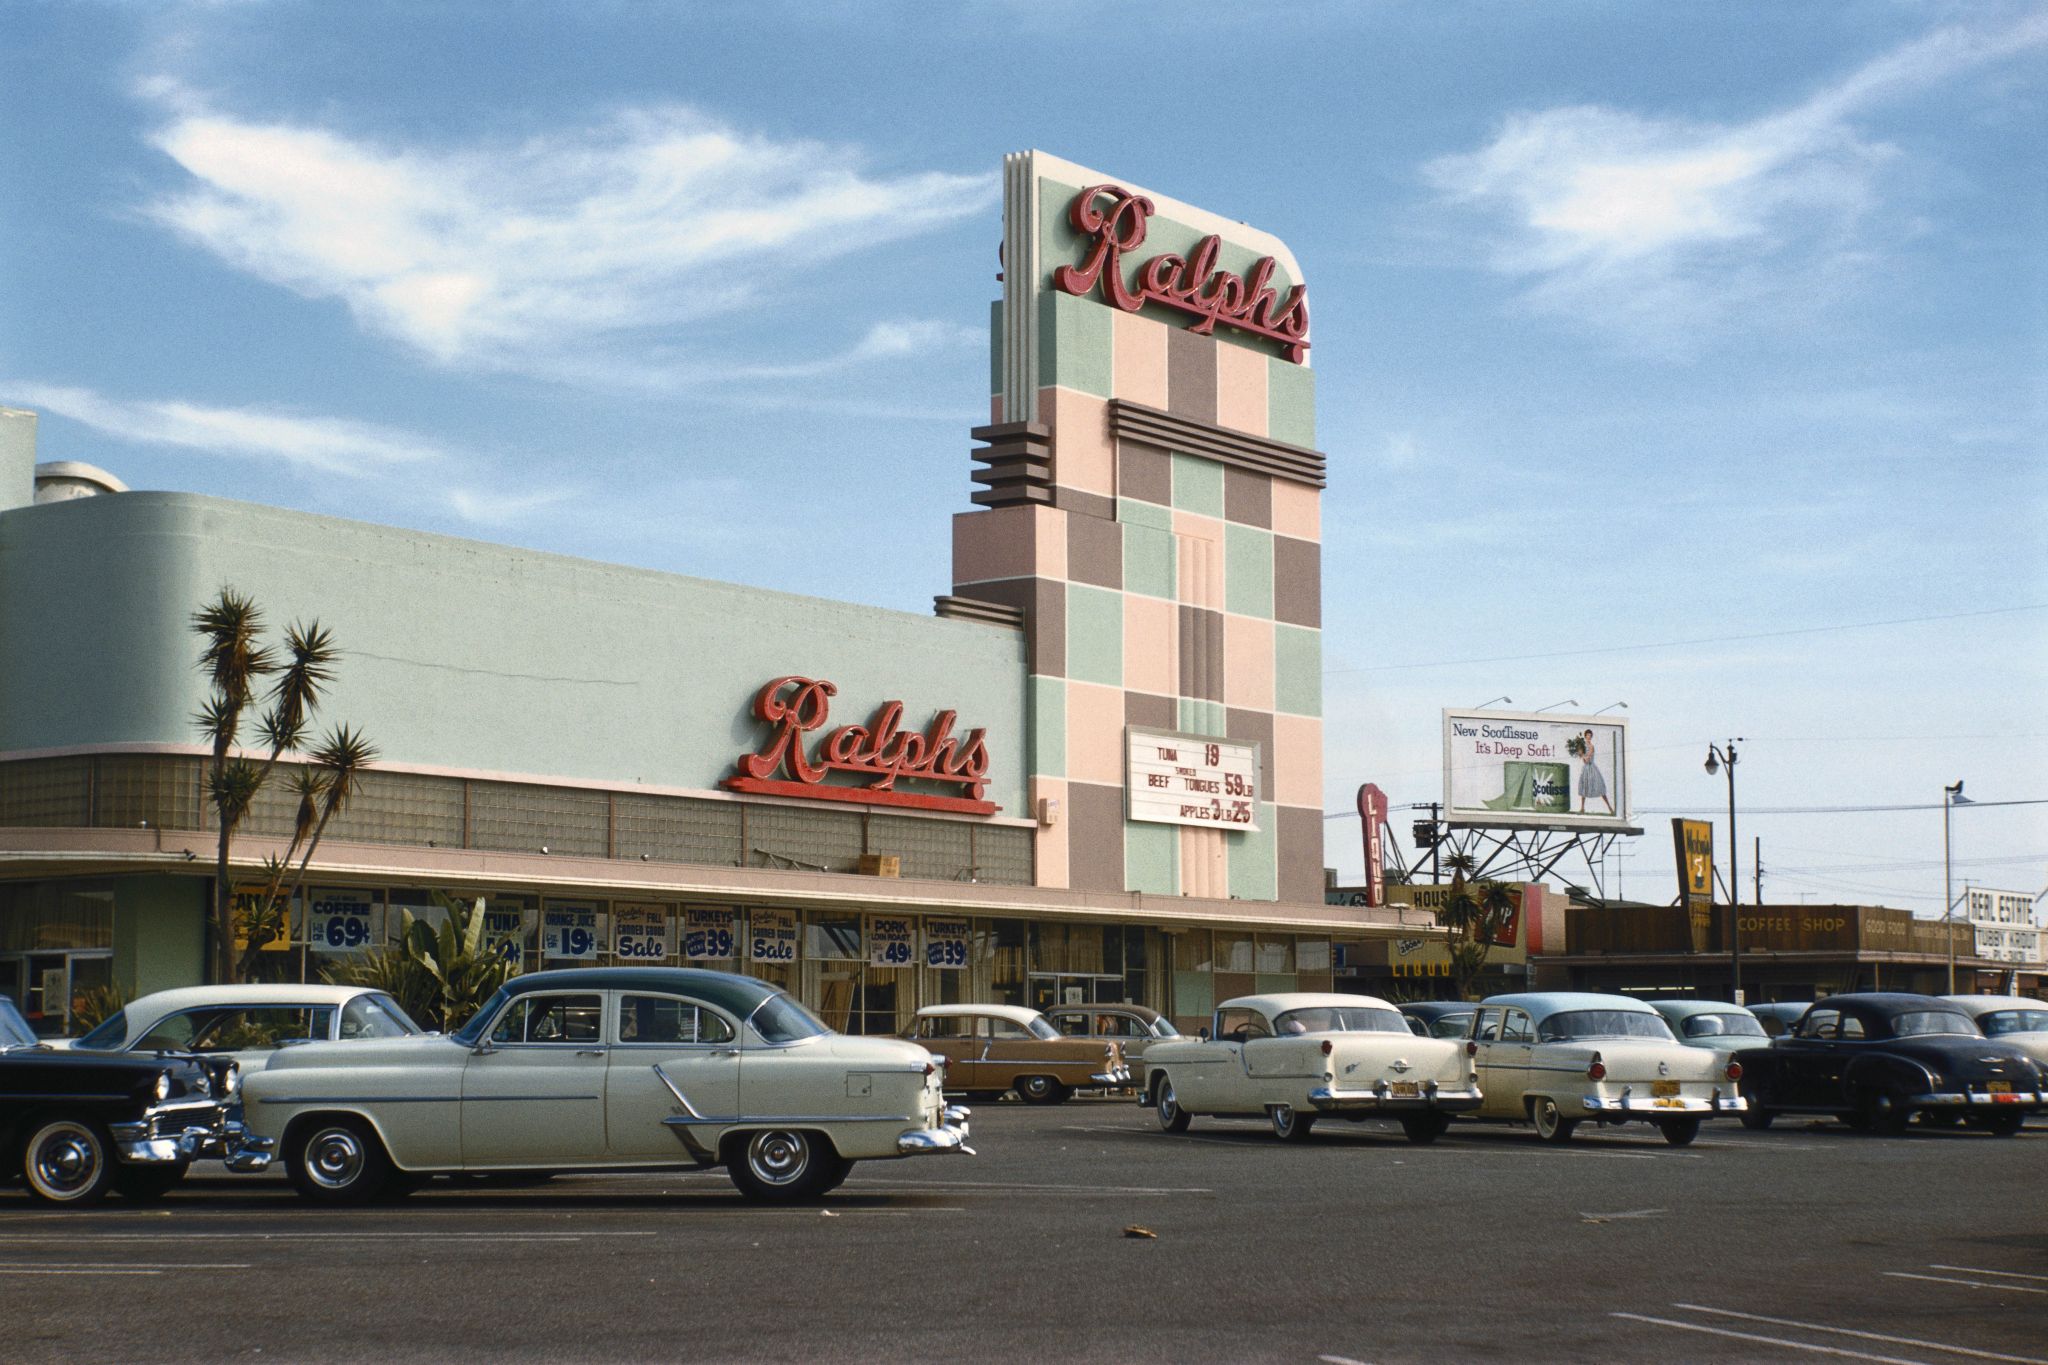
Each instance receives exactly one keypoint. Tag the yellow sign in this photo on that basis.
(1694, 841)
(274, 935)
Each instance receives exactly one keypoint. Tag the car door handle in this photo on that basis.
(727, 1052)
(590, 1052)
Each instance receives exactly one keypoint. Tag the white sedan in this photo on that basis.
(606, 1069)
(1559, 1058)
(247, 1022)
(1293, 1058)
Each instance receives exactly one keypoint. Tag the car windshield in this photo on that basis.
(14, 1030)
(1723, 1026)
(375, 1016)
(474, 1028)
(779, 1019)
(2013, 1021)
(109, 1035)
(1604, 1024)
(1041, 1027)
(1162, 1027)
(1342, 1019)
(1919, 1023)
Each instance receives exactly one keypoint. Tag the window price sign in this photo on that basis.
(639, 933)
(773, 936)
(891, 941)
(707, 934)
(945, 943)
(505, 931)
(339, 921)
(1177, 779)
(569, 931)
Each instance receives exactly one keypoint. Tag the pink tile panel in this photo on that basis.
(1297, 510)
(1084, 456)
(1095, 734)
(1248, 662)
(1297, 761)
(1139, 366)
(1241, 389)
(1204, 863)
(1150, 663)
(1050, 844)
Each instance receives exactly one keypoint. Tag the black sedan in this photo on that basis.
(1875, 1060)
(1439, 1018)
(74, 1125)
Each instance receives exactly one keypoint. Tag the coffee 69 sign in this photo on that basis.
(878, 755)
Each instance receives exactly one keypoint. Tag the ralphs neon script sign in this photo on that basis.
(1114, 220)
(880, 754)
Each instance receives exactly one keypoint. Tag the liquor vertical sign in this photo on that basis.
(1372, 811)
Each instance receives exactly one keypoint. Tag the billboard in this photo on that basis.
(1553, 772)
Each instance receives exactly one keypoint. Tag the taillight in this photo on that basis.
(1597, 1071)
(1471, 1049)
(929, 1069)
(1735, 1071)
(1328, 1047)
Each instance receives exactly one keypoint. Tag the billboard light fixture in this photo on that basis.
(1573, 701)
(1509, 700)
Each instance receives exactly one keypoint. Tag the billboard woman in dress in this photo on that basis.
(1591, 781)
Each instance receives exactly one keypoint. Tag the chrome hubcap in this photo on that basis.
(1283, 1119)
(1546, 1117)
(778, 1158)
(1168, 1106)
(334, 1158)
(66, 1162)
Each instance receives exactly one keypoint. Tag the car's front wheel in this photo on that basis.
(68, 1161)
(1551, 1124)
(337, 1161)
(1040, 1090)
(1680, 1132)
(146, 1184)
(1423, 1129)
(1290, 1124)
(1172, 1118)
(784, 1166)
(1881, 1112)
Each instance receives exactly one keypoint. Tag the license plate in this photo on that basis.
(1405, 1089)
(1663, 1087)
(1668, 1104)
(2000, 1087)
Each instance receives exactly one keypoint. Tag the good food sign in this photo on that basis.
(1180, 779)
(1558, 772)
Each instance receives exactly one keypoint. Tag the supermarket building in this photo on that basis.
(1095, 771)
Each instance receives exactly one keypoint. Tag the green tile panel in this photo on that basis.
(1291, 403)
(1197, 485)
(1248, 571)
(1254, 864)
(1095, 635)
(1138, 512)
(1203, 717)
(1074, 343)
(1048, 727)
(1152, 858)
(1297, 670)
(1149, 561)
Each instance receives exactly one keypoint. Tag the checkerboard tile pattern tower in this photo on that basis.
(1152, 509)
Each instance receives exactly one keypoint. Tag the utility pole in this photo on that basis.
(1756, 863)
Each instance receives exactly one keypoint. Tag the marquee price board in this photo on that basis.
(1181, 779)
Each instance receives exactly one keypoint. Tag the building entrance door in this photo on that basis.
(44, 985)
(1050, 989)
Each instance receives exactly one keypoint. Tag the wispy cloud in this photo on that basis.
(515, 255)
(328, 445)
(1661, 225)
(662, 368)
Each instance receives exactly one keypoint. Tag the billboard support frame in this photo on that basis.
(1523, 853)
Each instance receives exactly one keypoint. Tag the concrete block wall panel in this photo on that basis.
(1190, 596)
(458, 654)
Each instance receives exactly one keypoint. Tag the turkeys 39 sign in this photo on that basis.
(1180, 779)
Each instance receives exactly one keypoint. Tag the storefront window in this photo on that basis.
(1193, 992)
(832, 968)
(1312, 964)
(56, 946)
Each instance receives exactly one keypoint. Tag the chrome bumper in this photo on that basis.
(1982, 1099)
(1381, 1099)
(157, 1140)
(1119, 1079)
(1649, 1107)
(949, 1136)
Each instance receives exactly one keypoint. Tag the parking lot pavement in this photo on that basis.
(1804, 1242)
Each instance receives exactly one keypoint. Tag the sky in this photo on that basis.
(1687, 357)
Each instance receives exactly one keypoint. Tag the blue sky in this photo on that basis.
(1686, 356)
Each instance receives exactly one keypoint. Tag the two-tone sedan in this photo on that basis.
(247, 1021)
(2016, 1019)
(1875, 1059)
(1712, 1024)
(988, 1050)
(1557, 1059)
(1134, 1028)
(605, 1069)
(1294, 1058)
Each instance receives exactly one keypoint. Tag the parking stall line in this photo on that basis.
(1769, 1341)
(1972, 1352)
(247, 1237)
(4, 1273)
(1980, 1270)
(1970, 1284)
(1009, 1187)
(124, 1265)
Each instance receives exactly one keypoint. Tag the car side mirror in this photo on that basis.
(484, 1047)
(1203, 1033)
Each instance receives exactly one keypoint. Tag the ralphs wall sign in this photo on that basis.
(1514, 768)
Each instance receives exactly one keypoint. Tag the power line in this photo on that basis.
(1680, 644)
(1781, 810)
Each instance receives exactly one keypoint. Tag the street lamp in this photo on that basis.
(1553, 706)
(1611, 705)
(1490, 701)
(1951, 797)
(1716, 756)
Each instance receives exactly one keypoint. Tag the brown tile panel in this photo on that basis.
(1088, 504)
(1175, 431)
(1095, 552)
(1255, 725)
(1149, 712)
(1191, 376)
(1297, 581)
(1247, 497)
(1201, 654)
(1299, 847)
(1043, 601)
(1144, 471)
(1095, 838)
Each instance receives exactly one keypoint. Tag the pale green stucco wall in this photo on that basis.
(459, 654)
(159, 933)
